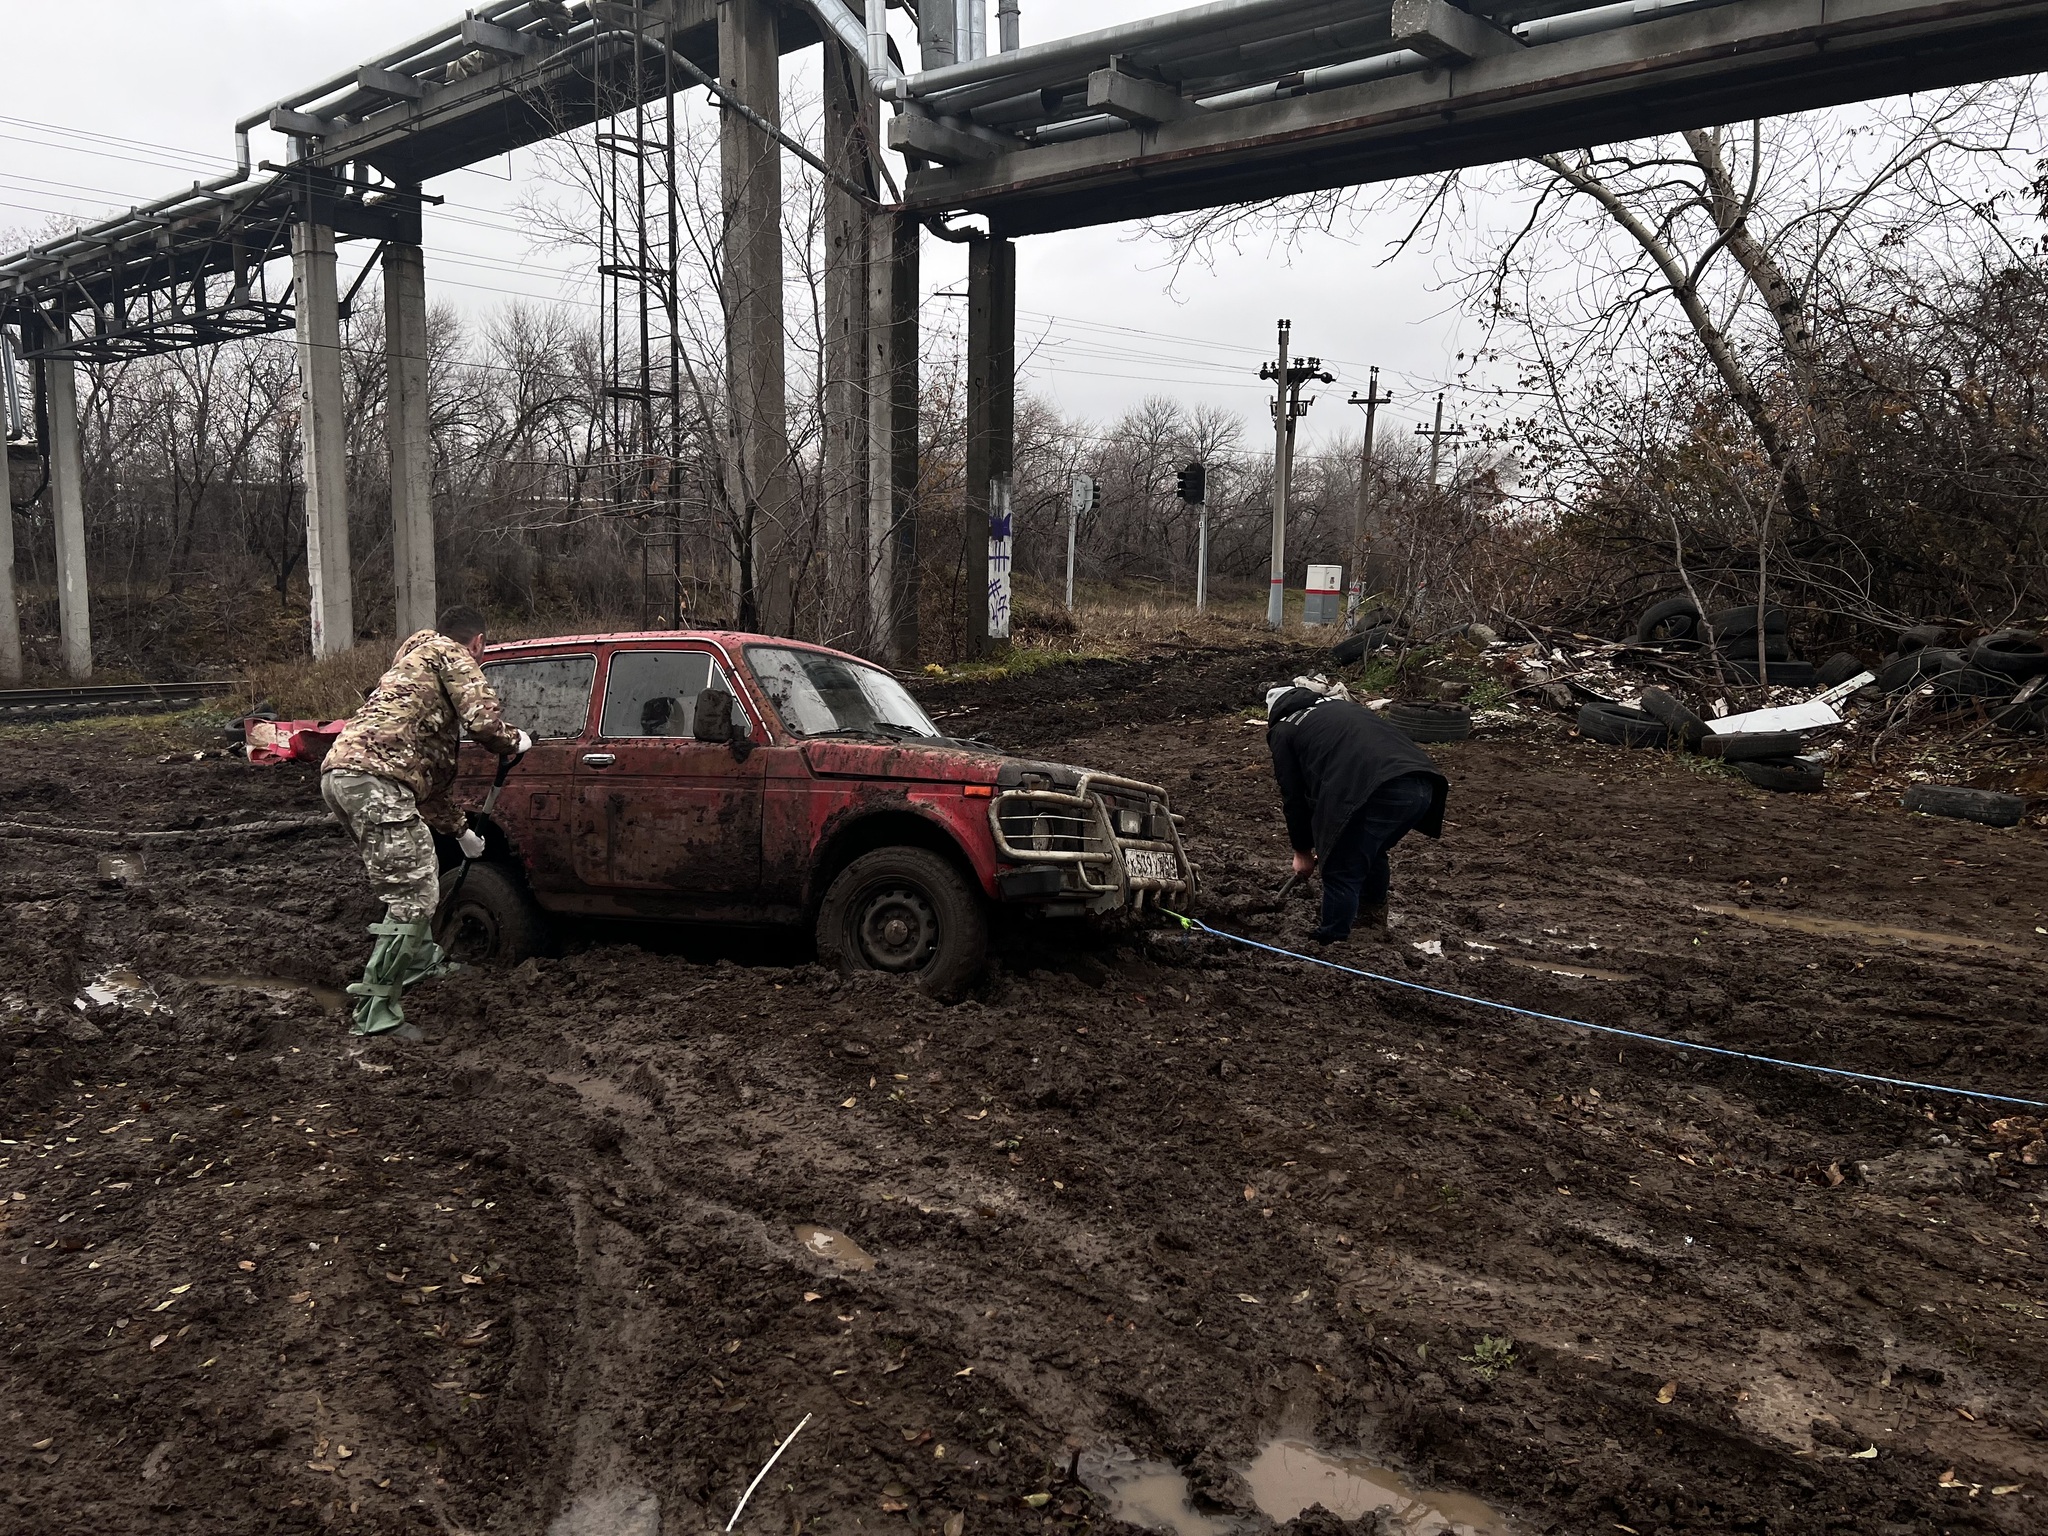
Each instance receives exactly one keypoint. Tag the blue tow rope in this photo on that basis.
(1195, 924)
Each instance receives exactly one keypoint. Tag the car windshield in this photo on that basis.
(821, 695)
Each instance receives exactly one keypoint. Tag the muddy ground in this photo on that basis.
(1142, 1197)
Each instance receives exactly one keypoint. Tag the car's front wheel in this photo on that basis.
(907, 912)
(490, 919)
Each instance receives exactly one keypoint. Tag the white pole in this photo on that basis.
(1276, 590)
(1073, 521)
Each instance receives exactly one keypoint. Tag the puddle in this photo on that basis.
(842, 1250)
(1801, 922)
(333, 999)
(119, 987)
(121, 868)
(1291, 1475)
(1288, 1477)
(1149, 1494)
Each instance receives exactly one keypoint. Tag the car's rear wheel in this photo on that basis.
(905, 912)
(490, 919)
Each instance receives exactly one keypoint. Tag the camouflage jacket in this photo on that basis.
(410, 727)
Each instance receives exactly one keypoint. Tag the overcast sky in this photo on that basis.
(144, 99)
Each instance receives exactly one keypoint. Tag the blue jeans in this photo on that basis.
(1355, 870)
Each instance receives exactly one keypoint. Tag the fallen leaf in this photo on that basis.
(733, 1348)
(44, 1444)
(1949, 1479)
(1965, 1413)
(160, 1341)
(342, 1453)
(812, 1296)
(1834, 1174)
(955, 1523)
(319, 1466)
(179, 1290)
(1253, 1300)
(472, 1279)
(1250, 1193)
(968, 1372)
(1038, 1500)
(397, 1279)
(1667, 1392)
(980, 1114)
(849, 1104)
(1869, 1454)
(246, 1264)
(894, 1506)
(163, 1304)
(2009, 1488)
(300, 1296)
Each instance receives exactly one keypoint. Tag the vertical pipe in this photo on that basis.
(1202, 559)
(1073, 524)
(406, 430)
(10, 615)
(67, 510)
(1008, 23)
(938, 34)
(323, 438)
(1283, 431)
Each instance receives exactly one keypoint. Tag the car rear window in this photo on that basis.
(653, 693)
(547, 696)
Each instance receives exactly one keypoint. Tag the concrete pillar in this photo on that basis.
(851, 124)
(991, 423)
(406, 429)
(750, 164)
(323, 437)
(892, 438)
(67, 511)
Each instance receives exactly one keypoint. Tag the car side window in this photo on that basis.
(654, 693)
(548, 696)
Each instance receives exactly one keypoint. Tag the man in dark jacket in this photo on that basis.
(1351, 786)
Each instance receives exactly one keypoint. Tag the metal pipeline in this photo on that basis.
(869, 43)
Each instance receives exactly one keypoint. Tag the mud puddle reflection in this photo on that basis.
(1801, 922)
(1286, 1478)
(333, 999)
(836, 1246)
(1290, 1475)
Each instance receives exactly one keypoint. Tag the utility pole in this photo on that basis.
(1436, 436)
(1193, 488)
(1287, 405)
(1372, 400)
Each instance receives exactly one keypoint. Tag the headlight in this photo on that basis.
(1041, 834)
(1130, 823)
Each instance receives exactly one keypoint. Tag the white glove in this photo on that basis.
(471, 842)
(523, 746)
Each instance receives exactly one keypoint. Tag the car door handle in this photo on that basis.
(598, 759)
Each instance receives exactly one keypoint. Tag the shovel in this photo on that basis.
(1288, 887)
(447, 906)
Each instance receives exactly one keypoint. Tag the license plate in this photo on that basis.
(1145, 864)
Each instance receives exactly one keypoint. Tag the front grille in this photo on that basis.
(1111, 834)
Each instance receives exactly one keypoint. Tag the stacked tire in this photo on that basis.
(1997, 672)
(1734, 632)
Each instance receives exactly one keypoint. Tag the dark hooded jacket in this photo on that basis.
(1332, 756)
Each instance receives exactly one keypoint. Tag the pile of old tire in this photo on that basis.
(1989, 671)
(1677, 621)
(1430, 722)
(1768, 759)
(1374, 629)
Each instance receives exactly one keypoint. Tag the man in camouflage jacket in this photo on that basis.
(388, 777)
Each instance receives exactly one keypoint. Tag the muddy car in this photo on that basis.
(712, 777)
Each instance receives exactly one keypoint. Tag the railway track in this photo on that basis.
(18, 704)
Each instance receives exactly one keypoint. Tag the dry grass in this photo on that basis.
(318, 690)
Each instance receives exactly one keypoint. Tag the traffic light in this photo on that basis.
(1193, 483)
(1094, 495)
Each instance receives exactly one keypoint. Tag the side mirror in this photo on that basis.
(711, 720)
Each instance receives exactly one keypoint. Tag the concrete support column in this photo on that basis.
(323, 437)
(406, 429)
(758, 468)
(851, 125)
(10, 612)
(991, 426)
(67, 512)
(892, 438)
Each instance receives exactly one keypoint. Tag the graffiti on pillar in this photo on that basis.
(1000, 543)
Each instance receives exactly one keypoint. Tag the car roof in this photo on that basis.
(728, 640)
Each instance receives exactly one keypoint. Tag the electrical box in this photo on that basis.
(1323, 601)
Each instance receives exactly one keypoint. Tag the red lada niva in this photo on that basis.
(717, 777)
